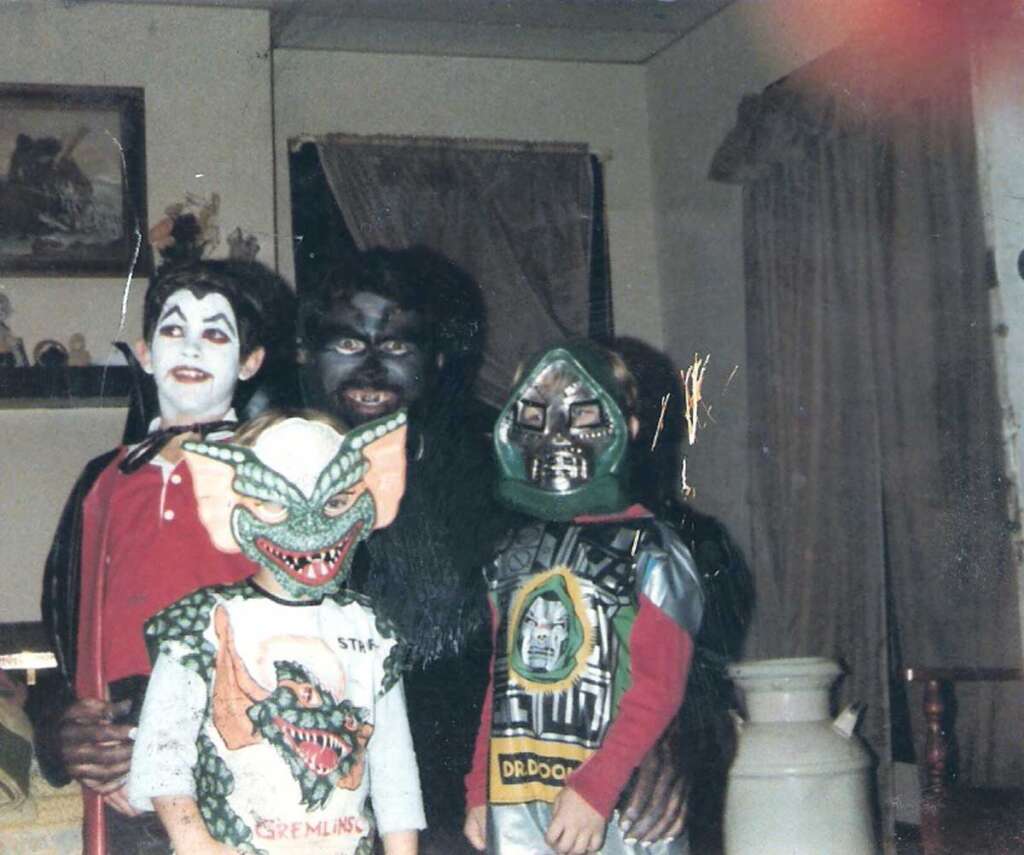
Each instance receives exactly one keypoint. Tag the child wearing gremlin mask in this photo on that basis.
(275, 707)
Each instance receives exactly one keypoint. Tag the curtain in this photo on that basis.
(516, 216)
(876, 453)
(818, 532)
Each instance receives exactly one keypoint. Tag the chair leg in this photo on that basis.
(936, 744)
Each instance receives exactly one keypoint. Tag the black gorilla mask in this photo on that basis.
(373, 357)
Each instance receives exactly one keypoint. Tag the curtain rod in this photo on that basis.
(294, 143)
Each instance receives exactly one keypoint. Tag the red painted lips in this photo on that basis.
(188, 374)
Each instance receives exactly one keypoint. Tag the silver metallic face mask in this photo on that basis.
(545, 632)
(561, 428)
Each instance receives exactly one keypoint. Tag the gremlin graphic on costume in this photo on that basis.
(292, 676)
(595, 604)
(321, 739)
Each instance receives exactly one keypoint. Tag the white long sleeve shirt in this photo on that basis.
(280, 719)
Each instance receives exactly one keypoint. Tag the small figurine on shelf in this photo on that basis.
(12, 348)
(243, 246)
(78, 356)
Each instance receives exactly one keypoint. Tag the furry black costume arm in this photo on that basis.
(684, 777)
(61, 583)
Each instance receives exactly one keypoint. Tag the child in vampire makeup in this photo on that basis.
(129, 541)
(595, 607)
(275, 706)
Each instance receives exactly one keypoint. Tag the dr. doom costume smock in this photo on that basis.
(279, 709)
(595, 607)
(594, 625)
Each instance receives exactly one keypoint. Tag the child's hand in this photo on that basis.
(575, 826)
(401, 843)
(118, 800)
(475, 828)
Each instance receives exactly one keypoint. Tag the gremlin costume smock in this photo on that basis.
(595, 608)
(279, 717)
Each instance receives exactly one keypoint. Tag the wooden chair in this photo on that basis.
(955, 819)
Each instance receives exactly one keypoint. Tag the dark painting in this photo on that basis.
(72, 190)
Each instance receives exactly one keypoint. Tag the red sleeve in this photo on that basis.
(660, 654)
(476, 780)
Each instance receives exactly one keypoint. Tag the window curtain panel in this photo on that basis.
(876, 450)
(516, 216)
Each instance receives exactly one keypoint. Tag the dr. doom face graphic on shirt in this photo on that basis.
(549, 642)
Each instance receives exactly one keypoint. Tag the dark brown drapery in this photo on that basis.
(516, 216)
(876, 450)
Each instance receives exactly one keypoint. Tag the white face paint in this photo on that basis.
(194, 358)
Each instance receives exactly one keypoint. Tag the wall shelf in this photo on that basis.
(64, 388)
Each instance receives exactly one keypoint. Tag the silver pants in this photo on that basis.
(520, 829)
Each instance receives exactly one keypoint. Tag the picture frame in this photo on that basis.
(72, 181)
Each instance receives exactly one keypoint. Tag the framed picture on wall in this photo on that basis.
(72, 181)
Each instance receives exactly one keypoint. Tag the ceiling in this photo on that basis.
(630, 31)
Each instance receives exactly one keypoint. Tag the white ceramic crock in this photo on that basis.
(800, 781)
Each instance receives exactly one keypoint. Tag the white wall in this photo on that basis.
(999, 121)
(206, 74)
(602, 105)
(41, 454)
(693, 90)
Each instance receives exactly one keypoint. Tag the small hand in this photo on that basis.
(475, 828)
(118, 800)
(576, 828)
(96, 752)
(401, 843)
(656, 807)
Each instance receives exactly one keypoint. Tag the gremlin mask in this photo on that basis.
(562, 438)
(300, 498)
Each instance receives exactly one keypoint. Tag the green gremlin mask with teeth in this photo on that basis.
(300, 498)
